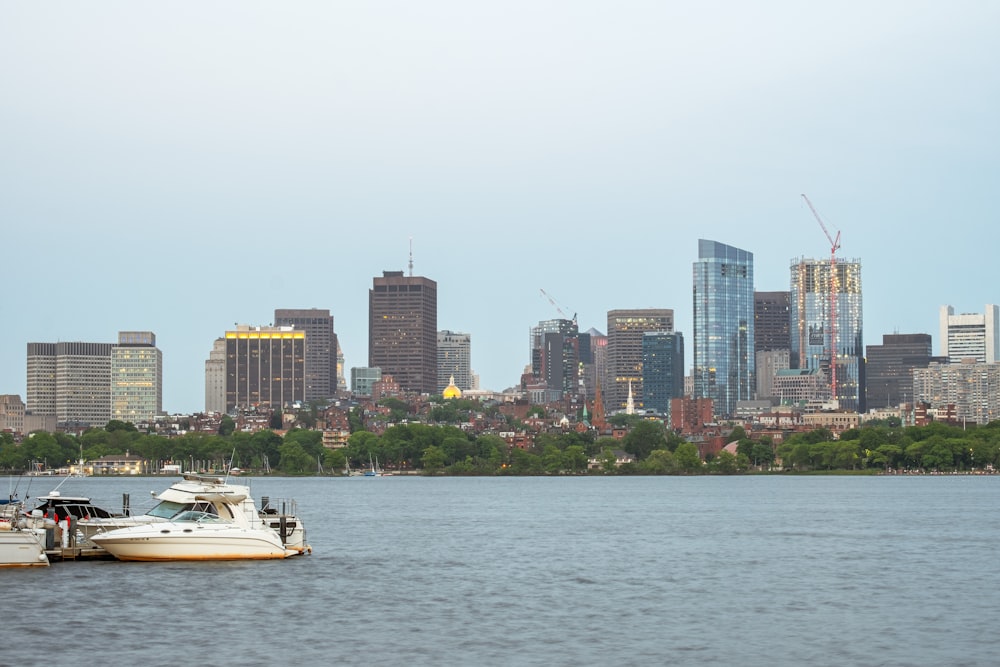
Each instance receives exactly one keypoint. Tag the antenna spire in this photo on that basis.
(411, 257)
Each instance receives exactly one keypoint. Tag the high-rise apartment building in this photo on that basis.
(970, 386)
(970, 335)
(265, 367)
(889, 368)
(321, 348)
(454, 353)
(624, 353)
(723, 325)
(662, 370)
(814, 326)
(71, 381)
(136, 378)
(402, 330)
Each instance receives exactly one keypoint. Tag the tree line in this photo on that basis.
(448, 449)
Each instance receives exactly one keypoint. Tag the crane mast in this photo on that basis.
(832, 286)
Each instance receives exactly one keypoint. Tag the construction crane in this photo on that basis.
(556, 305)
(834, 246)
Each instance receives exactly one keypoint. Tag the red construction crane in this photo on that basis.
(556, 305)
(832, 285)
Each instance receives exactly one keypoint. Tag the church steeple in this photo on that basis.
(630, 403)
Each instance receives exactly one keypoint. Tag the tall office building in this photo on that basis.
(812, 321)
(136, 378)
(321, 348)
(889, 368)
(970, 335)
(454, 353)
(624, 353)
(215, 378)
(265, 367)
(70, 381)
(402, 330)
(662, 370)
(723, 326)
(771, 321)
(555, 356)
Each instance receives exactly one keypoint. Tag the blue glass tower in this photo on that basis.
(723, 326)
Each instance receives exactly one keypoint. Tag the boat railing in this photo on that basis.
(278, 506)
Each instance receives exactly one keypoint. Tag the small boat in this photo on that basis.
(221, 530)
(373, 469)
(20, 545)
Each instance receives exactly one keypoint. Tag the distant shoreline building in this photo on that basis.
(454, 360)
(402, 330)
(723, 326)
(321, 349)
(813, 322)
(265, 367)
(970, 335)
(626, 328)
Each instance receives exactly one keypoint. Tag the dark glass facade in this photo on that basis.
(662, 370)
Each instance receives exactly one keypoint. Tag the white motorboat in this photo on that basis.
(222, 530)
(20, 545)
(182, 496)
(206, 518)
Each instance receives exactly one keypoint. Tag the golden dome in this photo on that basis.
(451, 391)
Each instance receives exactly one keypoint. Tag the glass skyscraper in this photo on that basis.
(811, 306)
(662, 370)
(723, 326)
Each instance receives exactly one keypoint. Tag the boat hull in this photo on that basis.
(21, 548)
(172, 542)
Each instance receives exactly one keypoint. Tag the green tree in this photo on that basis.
(294, 460)
(725, 463)
(687, 458)
(226, 425)
(433, 459)
(644, 438)
(576, 458)
(660, 462)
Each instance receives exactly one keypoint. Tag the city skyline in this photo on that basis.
(164, 174)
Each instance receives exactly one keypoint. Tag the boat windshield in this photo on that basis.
(168, 509)
(200, 517)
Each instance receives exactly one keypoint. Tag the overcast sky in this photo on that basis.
(180, 167)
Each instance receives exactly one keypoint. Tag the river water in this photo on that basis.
(755, 570)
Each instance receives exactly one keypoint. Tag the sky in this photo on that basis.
(181, 167)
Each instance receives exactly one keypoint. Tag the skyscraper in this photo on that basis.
(555, 356)
(215, 378)
(772, 321)
(321, 348)
(265, 367)
(971, 335)
(402, 330)
(624, 352)
(136, 377)
(723, 325)
(454, 352)
(662, 370)
(813, 326)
